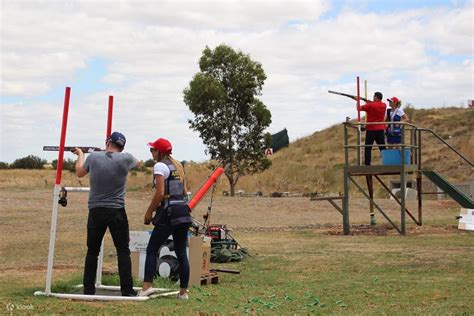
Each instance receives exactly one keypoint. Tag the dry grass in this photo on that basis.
(25, 220)
(22, 179)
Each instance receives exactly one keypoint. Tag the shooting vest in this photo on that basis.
(173, 206)
(393, 129)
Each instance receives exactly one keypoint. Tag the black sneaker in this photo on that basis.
(130, 293)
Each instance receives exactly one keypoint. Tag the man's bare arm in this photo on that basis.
(80, 170)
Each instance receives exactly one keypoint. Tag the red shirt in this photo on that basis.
(375, 113)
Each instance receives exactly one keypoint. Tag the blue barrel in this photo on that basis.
(391, 157)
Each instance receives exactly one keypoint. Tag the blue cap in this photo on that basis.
(118, 139)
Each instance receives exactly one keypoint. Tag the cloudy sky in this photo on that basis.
(144, 53)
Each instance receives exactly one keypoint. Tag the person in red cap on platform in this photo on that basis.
(395, 114)
(172, 215)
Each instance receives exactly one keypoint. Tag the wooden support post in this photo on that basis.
(345, 201)
(420, 179)
(402, 183)
(359, 149)
(420, 201)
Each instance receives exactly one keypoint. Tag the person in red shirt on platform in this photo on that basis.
(375, 113)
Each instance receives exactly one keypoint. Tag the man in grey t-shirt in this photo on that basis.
(108, 171)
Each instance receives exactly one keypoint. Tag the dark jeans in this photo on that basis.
(158, 237)
(370, 137)
(116, 220)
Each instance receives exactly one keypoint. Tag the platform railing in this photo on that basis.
(414, 140)
(447, 144)
(406, 128)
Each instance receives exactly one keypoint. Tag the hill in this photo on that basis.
(314, 163)
(310, 164)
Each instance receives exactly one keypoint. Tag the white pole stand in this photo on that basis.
(93, 297)
(159, 292)
(52, 238)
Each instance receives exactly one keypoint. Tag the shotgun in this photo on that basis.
(347, 95)
(85, 149)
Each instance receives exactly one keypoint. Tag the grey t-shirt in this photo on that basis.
(108, 173)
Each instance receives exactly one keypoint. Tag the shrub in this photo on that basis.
(410, 111)
(3, 165)
(150, 163)
(29, 162)
(68, 164)
(140, 167)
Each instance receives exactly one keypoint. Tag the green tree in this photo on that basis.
(68, 164)
(29, 162)
(3, 165)
(227, 114)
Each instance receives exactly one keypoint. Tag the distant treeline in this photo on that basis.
(28, 162)
(35, 162)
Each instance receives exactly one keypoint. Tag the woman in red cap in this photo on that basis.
(395, 114)
(171, 215)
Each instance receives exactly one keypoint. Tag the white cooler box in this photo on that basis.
(466, 220)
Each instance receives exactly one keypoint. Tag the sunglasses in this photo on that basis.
(152, 149)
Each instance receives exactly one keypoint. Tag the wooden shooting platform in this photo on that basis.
(402, 160)
(376, 172)
(380, 170)
(353, 168)
(210, 278)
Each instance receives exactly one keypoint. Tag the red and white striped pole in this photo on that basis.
(57, 188)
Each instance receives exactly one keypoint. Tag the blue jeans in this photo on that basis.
(116, 220)
(158, 237)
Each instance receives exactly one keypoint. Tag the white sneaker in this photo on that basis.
(146, 292)
(183, 296)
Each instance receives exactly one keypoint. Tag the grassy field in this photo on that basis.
(308, 272)
(300, 264)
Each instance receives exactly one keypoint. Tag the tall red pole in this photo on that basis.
(109, 117)
(358, 100)
(59, 168)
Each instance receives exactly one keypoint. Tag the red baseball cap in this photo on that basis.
(393, 99)
(162, 145)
